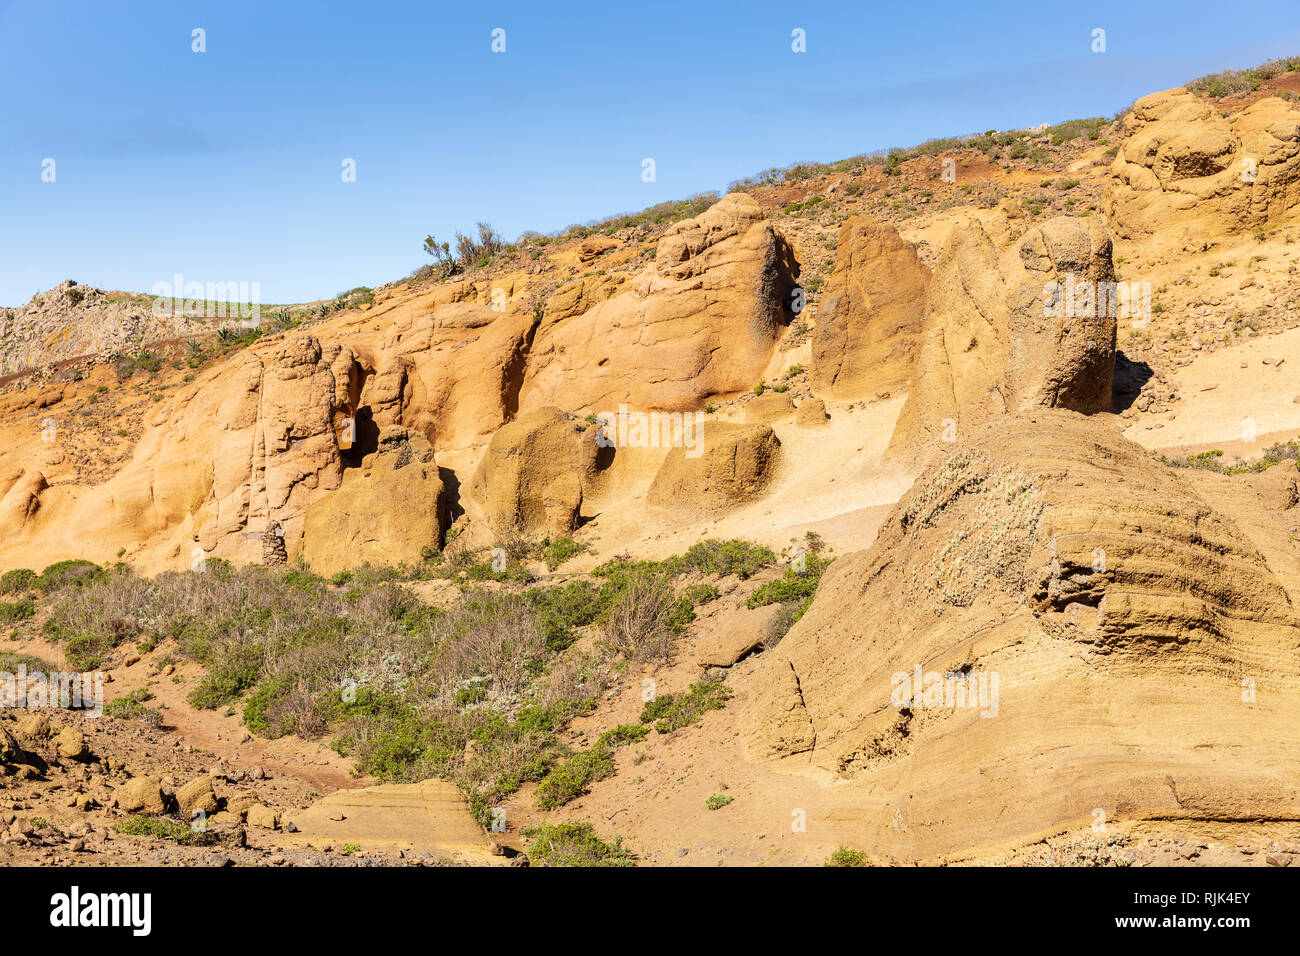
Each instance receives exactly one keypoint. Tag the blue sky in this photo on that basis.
(225, 165)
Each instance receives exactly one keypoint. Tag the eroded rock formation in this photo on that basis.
(1031, 326)
(1112, 615)
(1181, 163)
(870, 314)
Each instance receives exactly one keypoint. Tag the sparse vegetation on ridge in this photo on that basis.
(1232, 82)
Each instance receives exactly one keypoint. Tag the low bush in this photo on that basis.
(574, 844)
(670, 712)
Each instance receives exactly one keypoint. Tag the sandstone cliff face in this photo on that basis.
(20, 496)
(1057, 562)
(701, 321)
(452, 374)
(1181, 162)
(1004, 332)
(870, 314)
(248, 447)
(243, 449)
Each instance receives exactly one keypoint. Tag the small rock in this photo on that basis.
(71, 743)
(260, 815)
(140, 795)
(36, 726)
(197, 795)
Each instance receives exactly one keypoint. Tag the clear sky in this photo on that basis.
(226, 165)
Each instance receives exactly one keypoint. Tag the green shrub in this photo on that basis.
(439, 692)
(670, 712)
(642, 615)
(793, 585)
(132, 707)
(574, 844)
(559, 550)
(11, 612)
(18, 580)
(843, 856)
(699, 594)
(64, 573)
(11, 661)
(575, 776)
(1232, 82)
(733, 556)
(1209, 460)
(717, 801)
(232, 671)
(656, 707)
(163, 829)
(786, 616)
(624, 734)
(260, 711)
(562, 610)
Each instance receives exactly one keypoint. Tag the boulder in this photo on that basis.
(595, 245)
(10, 750)
(198, 796)
(534, 472)
(70, 744)
(239, 803)
(34, 727)
(811, 411)
(735, 465)
(260, 815)
(140, 795)
(732, 636)
(768, 408)
(1278, 485)
(383, 513)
